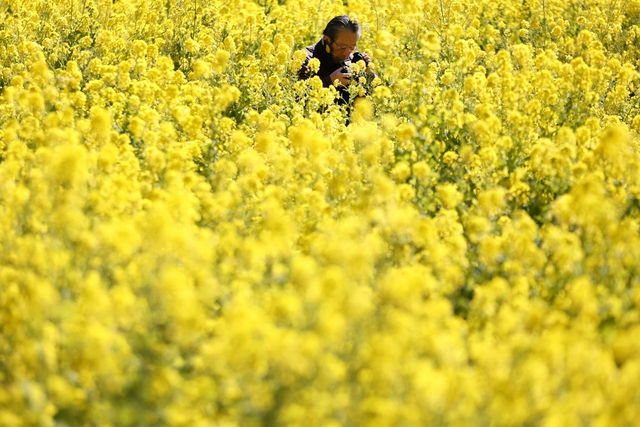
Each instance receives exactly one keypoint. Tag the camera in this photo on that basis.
(357, 56)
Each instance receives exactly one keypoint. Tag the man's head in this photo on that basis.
(341, 36)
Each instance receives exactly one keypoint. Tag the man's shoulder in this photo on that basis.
(310, 50)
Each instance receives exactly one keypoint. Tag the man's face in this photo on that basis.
(342, 46)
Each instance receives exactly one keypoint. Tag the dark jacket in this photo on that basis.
(327, 66)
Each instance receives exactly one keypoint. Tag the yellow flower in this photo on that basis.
(226, 96)
(69, 165)
(492, 202)
(363, 109)
(192, 45)
(100, 123)
(314, 65)
(447, 78)
(449, 195)
(201, 69)
(401, 172)
(432, 42)
(420, 170)
(384, 38)
(221, 59)
(449, 157)
(624, 346)
(405, 132)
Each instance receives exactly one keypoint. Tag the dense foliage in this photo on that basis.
(192, 237)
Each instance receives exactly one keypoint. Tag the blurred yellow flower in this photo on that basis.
(192, 236)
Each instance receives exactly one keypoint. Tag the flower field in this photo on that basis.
(192, 237)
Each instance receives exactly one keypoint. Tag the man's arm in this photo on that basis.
(303, 72)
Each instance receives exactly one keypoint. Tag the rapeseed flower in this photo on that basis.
(187, 225)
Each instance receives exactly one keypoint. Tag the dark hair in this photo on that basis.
(342, 22)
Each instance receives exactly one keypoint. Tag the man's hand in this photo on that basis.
(343, 78)
(366, 58)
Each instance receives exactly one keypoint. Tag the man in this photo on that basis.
(336, 52)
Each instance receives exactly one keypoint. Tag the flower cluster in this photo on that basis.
(193, 237)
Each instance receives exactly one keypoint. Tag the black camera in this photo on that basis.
(357, 56)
